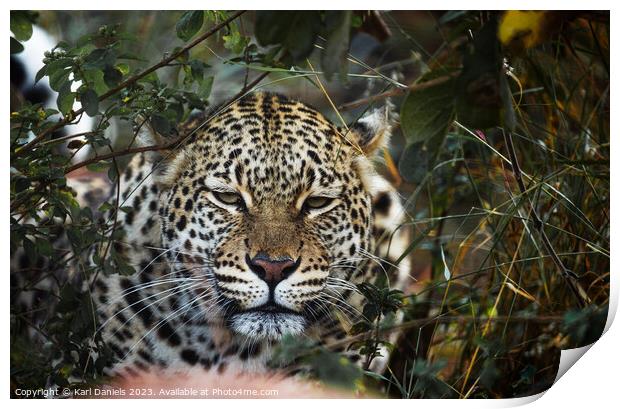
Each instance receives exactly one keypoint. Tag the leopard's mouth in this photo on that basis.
(271, 308)
(268, 321)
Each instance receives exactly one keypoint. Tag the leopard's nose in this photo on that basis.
(272, 270)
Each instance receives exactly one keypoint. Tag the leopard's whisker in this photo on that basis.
(175, 313)
(206, 310)
(379, 260)
(336, 305)
(175, 290)
(341, 302)
(153, 283)
(345, 285)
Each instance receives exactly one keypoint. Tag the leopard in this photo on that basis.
(256, 227)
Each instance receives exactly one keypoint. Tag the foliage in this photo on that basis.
(502, 158)
(21, 27)
(381, 302)
(317, 361)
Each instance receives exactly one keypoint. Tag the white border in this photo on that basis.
(314, 4)
(592, 383)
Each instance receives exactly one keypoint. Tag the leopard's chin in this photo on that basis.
(266, 325)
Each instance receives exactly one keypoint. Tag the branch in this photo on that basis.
(568, 275)
(130, 81)
(249, 86)
(129, 151)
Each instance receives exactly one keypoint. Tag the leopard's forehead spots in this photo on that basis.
(272, 146)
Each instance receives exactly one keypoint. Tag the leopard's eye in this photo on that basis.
(228, 198)
(317, 202)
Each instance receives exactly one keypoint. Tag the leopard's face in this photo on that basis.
(267, 209)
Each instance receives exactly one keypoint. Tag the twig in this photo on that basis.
(129, 151)
(66, 138)
(130, 81)
(538, 225)
(251, 85)
(399, 91)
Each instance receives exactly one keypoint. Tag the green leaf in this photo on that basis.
(112, 173)
(183, 57)
(334, 57)
(90, 102)
(304, 30)
(189, 24)
(295, 30)
(478, 103)
(335, 369)
(489, 374)
(65, 98)
(427, 379)
(75, 144)
(100, 58)
(175, 110)
(356, 21)
(197, 69)
(105, 206)
(427, 112)
(290, 349)
(95, 79)
(30, 249)
(235, 42)
(40, 74)
(371, 312)
(21, 183)
(45, 247)
(418, 159)
(204, 90)
(56, 69)
(16, 46)
(151, 78)
(123, 268)
(59, 78)
(509, 117)
(161, 124)
(360, 327)
(98, 166)
(123, 68)
(21, 24)
(112, 76)
(584, 326)
(271, 27)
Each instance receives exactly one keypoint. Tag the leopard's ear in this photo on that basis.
(372, 132)
(147, 134)
(164, 161)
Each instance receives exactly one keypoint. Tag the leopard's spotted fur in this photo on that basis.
(236, 188)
